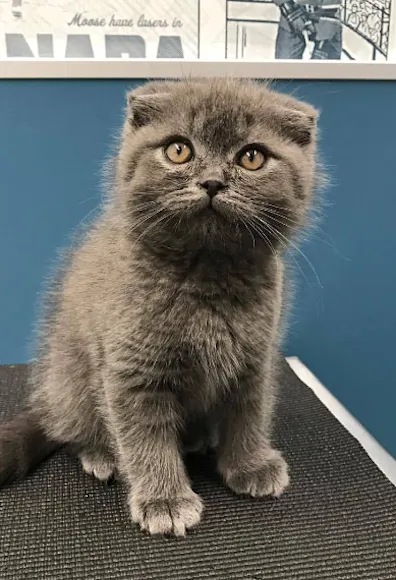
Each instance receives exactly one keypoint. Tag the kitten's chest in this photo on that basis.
(214, 342)
(211, 344)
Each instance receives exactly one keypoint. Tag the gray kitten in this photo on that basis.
(162, 333)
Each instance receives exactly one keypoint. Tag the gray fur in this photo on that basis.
(164, 329)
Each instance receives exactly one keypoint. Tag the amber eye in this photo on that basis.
(178, 152)
(252, 159)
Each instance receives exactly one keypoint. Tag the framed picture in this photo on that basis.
(147, 38)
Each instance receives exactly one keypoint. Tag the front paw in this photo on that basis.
(167, 516)
(269, 477)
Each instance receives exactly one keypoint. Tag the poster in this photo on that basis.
(247, 30)
(98, 29)
(313, 29)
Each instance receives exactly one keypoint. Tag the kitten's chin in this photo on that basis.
(214, 213)
(218, 206)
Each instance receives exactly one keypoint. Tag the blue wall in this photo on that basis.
(53, 138)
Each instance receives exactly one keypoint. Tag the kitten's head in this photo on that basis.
(210, 163)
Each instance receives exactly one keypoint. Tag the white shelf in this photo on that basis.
(144, 69)
(384, 461)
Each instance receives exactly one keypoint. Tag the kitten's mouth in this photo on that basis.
(212, 208)
(218, 206)
(209, 210)
(210, 204)
(207, 206)
(214, 202)
(215, 212)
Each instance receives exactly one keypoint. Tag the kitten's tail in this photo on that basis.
(23, 444)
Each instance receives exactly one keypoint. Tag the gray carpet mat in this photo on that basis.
(338, 520)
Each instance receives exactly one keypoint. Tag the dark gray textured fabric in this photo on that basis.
(338, 521)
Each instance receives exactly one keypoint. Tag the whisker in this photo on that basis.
(145, 219)
(272, 211)
(250, 232)
(275, 233)
(270, 245)
(279, 207)
(289, 242)
(96, 196)
(272, 217)
(263, 236)
(82, 222)
(153, 225)
(316, 229)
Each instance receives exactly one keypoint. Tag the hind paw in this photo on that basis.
(99, 465)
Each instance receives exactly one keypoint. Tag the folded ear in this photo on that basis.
(298, 125)
(144, 108)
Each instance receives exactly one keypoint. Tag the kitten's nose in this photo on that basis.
(212, 186)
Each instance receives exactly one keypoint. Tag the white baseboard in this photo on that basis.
(385, 462)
